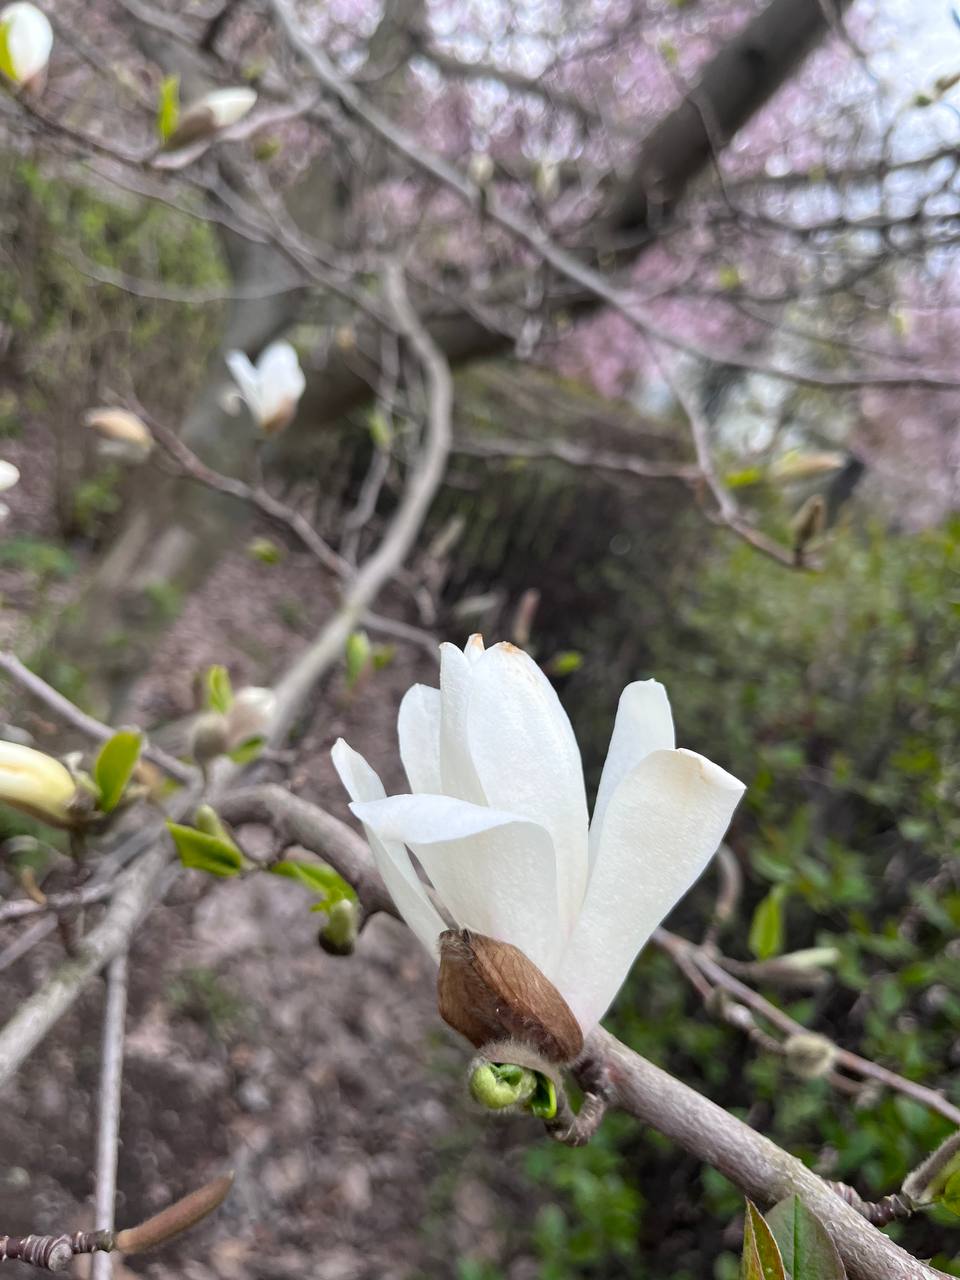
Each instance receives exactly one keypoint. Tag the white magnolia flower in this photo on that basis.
(25, 43)
(272, 387)
(498, 820)
(9, 475)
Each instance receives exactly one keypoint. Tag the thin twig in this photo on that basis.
(19, 908)
(87, 724)
(258, 497)
(111, 1080)
(843, 1058)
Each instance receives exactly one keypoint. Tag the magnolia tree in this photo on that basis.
(599, 190)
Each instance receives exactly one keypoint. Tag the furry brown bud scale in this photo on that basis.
(490, 991)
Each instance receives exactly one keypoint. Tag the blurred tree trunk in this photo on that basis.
(178, 532)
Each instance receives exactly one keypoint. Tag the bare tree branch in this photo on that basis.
(111, 1080)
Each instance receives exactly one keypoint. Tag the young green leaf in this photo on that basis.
(6, 60)
(761, 1258)
(950, 1195)
(318, 878)
(168, 107)
(218, 689)
(204, 852)
(806, 1248)
(358, 656)
(114, 764)
(248, 750)
(766, 928)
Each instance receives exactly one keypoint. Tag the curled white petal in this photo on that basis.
(494, 872)
(29, 40)
(644, 723)
(663, 823)
(393, 862)
(247, 380)
(527, 760)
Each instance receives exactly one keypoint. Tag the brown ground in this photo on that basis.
(329, 1085)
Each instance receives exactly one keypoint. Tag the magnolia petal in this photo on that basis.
(9, 475)
(247, 380)
(457, 774)
(418, 728)
(393, 862)
(281, 381)
(662, 825)
(527, 760)
(29, 39)
(644, 723)
(494, 872)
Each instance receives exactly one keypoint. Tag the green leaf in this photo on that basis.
(729, 278)
(264, 550)
(766, 928)
(382, 655)
(949, 1197)
(6, 61)
(248, 750)
(543, 1104)
(218, 689)
(761, 1258)
(807, 1250)
(113, 766)
(168, 107)
(381, 432)
(318, 878)
(565, 663)
(205, 852)
(358, 656)
(743, 478)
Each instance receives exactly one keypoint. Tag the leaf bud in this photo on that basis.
(809, 1055)
(338, 937)
(209, 737)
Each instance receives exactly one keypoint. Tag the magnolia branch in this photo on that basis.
(422, 482)
(616, 1076)
(111, 1079)
(257, 496)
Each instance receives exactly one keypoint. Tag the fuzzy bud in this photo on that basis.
(211, 113)
(489, 990)
(209, 737)
(809, 1055)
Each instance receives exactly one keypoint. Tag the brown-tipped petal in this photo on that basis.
(490, 991)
